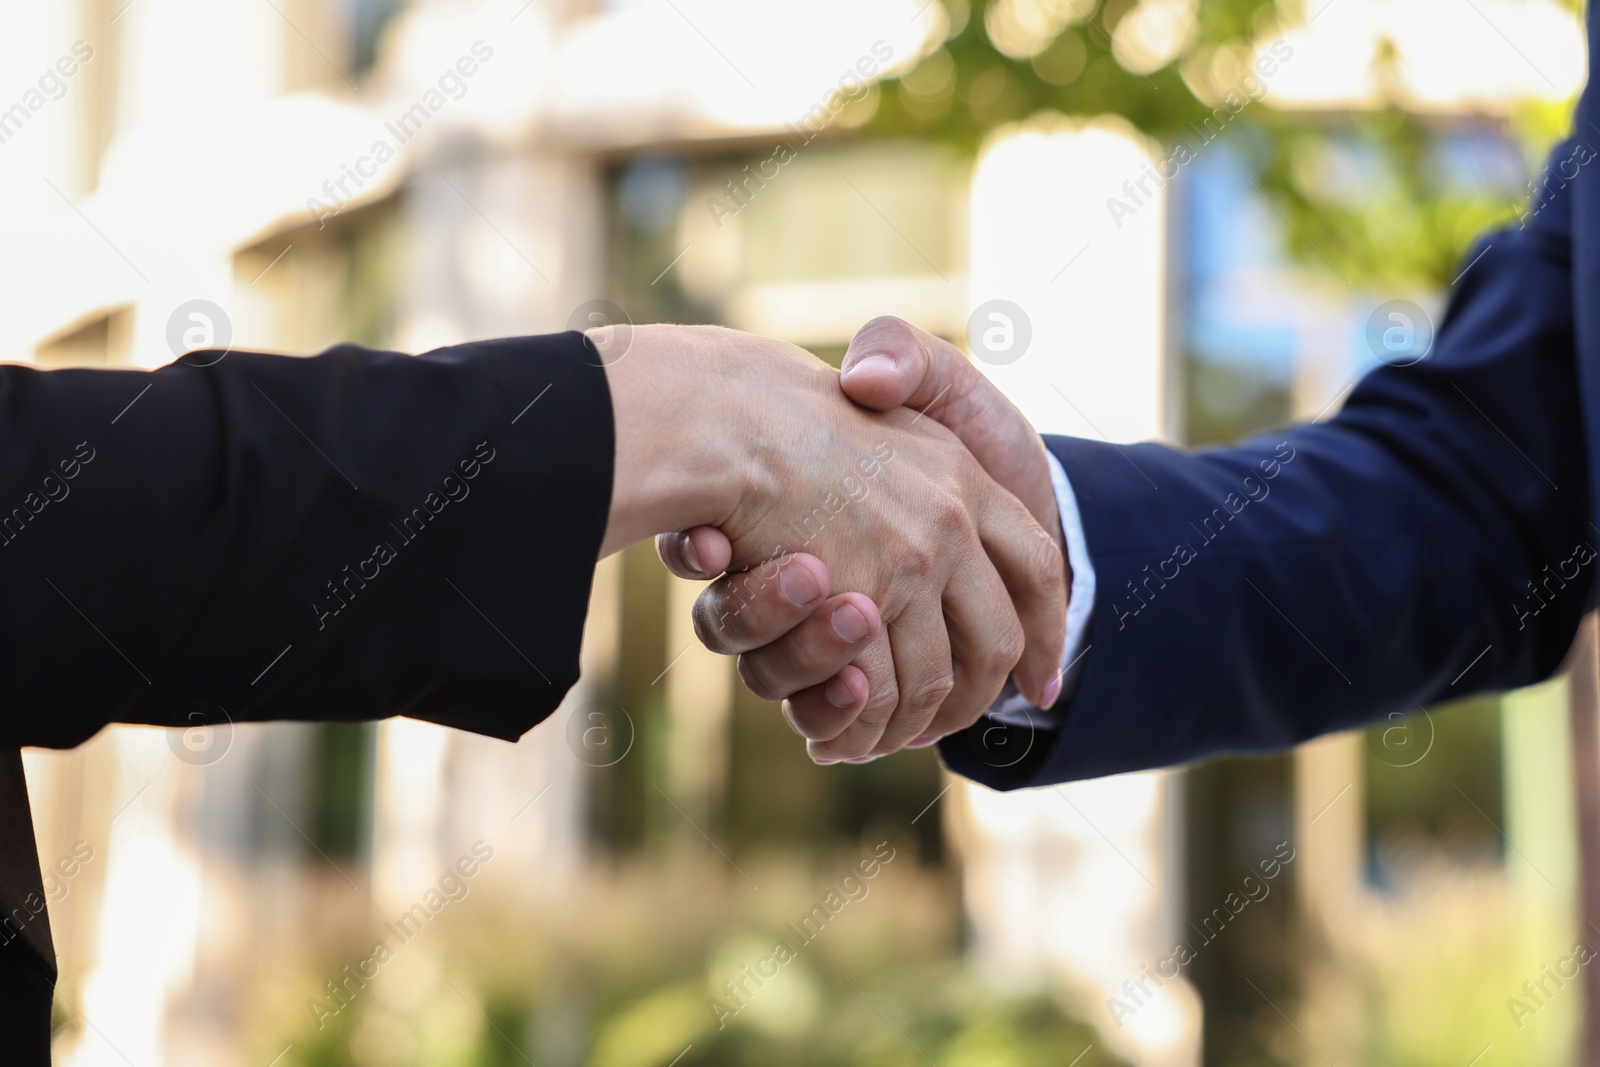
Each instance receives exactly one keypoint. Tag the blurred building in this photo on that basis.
(288, 175)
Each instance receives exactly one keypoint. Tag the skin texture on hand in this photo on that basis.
(891, 363)
(960, 584)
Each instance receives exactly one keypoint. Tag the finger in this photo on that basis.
(701, 553)
(743, 611)
(823, 711)
(892, 363)
(924, 676)
(986, 643)
(814, 651)
(1029, 562)
(818, 715)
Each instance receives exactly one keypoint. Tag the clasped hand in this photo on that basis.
(875, 576)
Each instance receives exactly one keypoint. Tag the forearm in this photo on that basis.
(349, 536)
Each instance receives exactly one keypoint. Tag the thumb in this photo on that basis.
(891, 363)
(699, 554)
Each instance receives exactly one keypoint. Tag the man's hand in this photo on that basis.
(889, 363)
(966, 584)
(892, 363)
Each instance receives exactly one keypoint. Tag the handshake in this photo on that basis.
(888, 540)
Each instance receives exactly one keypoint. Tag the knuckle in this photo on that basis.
(918, 564)
(951, 510)
(927, 551)
(1050, 567)
(880, 707)
(930, 693)
(1006, 649)
(913, 555)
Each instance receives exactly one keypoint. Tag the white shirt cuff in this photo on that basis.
(1012, 707)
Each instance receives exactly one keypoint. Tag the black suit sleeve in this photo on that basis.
(347, 536)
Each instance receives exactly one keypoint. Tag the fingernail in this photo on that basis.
(823, 762)
(1052, 692)
(692, 557)
(839, 694)
(923, 742)
(798, 585)
(849, 623)
(879, 363)
(862, 759)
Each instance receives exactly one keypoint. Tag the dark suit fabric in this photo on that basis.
(347, 536)
(1436, 538)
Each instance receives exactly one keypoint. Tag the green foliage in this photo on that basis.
(1370, 200)
(1393, 216)
(635, 971)
(1424, 774)
(970, 86)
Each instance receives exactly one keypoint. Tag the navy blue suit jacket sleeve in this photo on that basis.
(1431, 540)
(347, 536)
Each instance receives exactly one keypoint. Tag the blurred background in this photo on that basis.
(1204, 216)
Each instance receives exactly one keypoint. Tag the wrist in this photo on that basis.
(675, 466)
